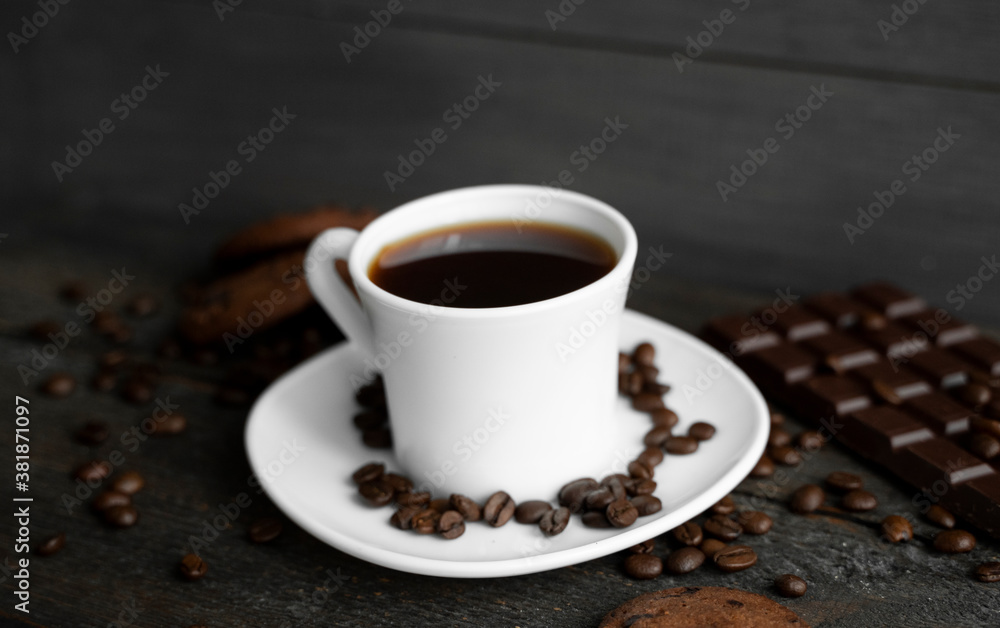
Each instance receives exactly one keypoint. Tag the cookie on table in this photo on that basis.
(700, 607)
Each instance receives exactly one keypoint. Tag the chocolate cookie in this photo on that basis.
(289, 231)
(698, 607)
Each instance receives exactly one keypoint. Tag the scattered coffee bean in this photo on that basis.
(646, 547)
(988, 572)
(724, 506)
(599, 498)
(788, 456)
(595, 519)
(368, 420)
(651, 456)
(121, 334)
(51, 545)
(105, 322)
(649, 375)
(624, 362)
(92, 433)
(656, 436)
(764, 468)
(954, 541)
(688, 533)
(572, 494)
(104, 381)
(265, 529)
(403, 518)
(790, 585)
(498, 509)
(896, 529)
(842, 481)
(680, 445)
(398, 483)
(419, 498)
(376, 492)
(637, 487)
(640, 470)
(440, 504)
(451, 525)
(137, 391)
(647, 402)
(709, 547)
(685, 560)
(621, 513)
(142, 305)
(193, 567)
(123, 516)
(617, 482)
(112, 359)
(644, 354)
(810, 440)
(469, 509)
(701, 430)
(735, 558)
(128, 483)
(940, 517)
(59, 385)
(380, 438)
(368, 472)
(779, 437)
(93, 472)
(73, 290)
(554, 521)
(109, 499)
(425, 521)
(633, 384)
(755, 522)
(982, 425)
(643, 566)
(171, 425)
(531, 511)
(859, 500)
(723, 528)
(974, 394)
(777, 418)
(807, 498)
(664, 417)
(984, 446)
(647, 505)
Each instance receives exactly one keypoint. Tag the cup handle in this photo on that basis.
(332, 292)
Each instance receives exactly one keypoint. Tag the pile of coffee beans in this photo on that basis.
(615, 501)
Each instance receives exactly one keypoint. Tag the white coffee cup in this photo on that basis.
(517, 398)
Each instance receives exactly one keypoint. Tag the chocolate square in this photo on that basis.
(881, 431)
(839, 309)
(841, 351)
(892, 382)
(940, 412)
(828, 395)
(982, 352)
(926, 462)
(796, 322)
(943, 368)
(895, 340)
(736, 335)
(942, 328)
(888, 299)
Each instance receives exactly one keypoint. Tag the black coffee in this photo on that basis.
(491, 264)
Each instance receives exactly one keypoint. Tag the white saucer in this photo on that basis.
(303, 446)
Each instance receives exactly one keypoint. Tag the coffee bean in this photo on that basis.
(701, 430)
(193, 567)
(755, 522)
(105, 322)
(640, 470)
(624, 362)
(380, 438)
(598, 499)
(265, 529)
(764, 468)
(169, 348)
(643, 566)
(368, 472)
(440, 504)
(709, 547)
(531, 511)
(633, 383)
(790, 585)
(231, 396)
(93, 472)
(51, 545)
(646, 547)
(104, 381)
(724, 506)
(371, 395)
(73, 290)
(685, 560)
(974, 394)
(398, 483)
(554, 521)
(572, 494)
(988, 572)
(807, 498)
(647, 505)
(810, 440)
(171, 425)
(656, 436)
(376, 492)
(59, 385)
(842, 481)
(109, 499)
(615, 481)
(940, 517)
(403, 518)
(92, 433)
(451, 525)
(688, 533)
(112, 359)
(777, 418)
(983, 425)
(649, 375)
(205, 357)
(896, 529)
(419, 498)
(129, 483)
(778, 437)
(469, 509)
(646, 402)
(425, 521)
(680, 445)
(723, 528)
(621, 513)
(637, 487)
(123, 516)
(651, 456)
(859, 500)
(595, 519)
(954, 541)
(664, 417)
(142, 305)
(735, 558)
(137, 391)
(369, 420)
(644, 354)
(984, 446)
(786, 455)
(498, 509)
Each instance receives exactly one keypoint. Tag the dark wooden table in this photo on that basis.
(105, 575)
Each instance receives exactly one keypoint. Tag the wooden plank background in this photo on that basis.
(784, 227)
